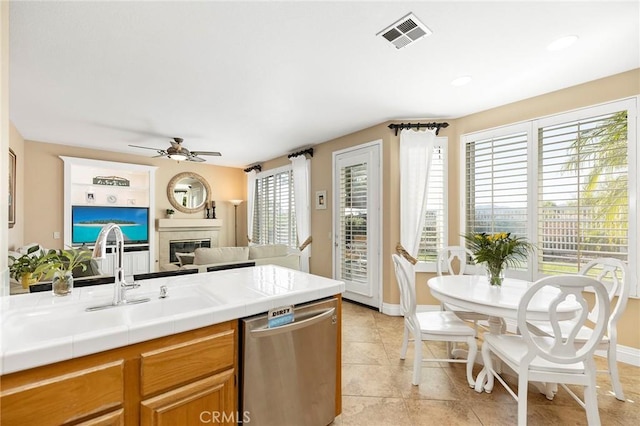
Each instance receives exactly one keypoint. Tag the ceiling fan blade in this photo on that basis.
(196, 159)
(215, 153)
(160, 154)
(145, 147)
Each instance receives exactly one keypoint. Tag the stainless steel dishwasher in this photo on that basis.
(289, 371)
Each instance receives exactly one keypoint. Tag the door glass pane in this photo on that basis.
(353, 222)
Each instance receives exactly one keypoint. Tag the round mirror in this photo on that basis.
(188, 192)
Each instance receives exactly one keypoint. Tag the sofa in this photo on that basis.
(205, 257)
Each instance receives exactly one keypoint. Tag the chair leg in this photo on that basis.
(613, 372)
(417, 360)
(405, 343)
(488, 369)
(471, 359)
(523, 383)
(591, 399)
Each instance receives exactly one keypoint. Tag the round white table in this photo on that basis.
(473, 293)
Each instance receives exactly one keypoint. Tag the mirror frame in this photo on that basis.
(177, 178)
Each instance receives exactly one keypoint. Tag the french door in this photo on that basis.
(356, 222)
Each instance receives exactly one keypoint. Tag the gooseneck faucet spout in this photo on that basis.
(99, 252)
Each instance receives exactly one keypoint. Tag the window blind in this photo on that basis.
(353, 222)
(433, 234)
(274, 210)
(496, 184)
(583, 203)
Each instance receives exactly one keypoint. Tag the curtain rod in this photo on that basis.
(433, 125)
(303, 152)
(257, 167)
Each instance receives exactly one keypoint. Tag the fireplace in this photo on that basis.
(185, 246)
(186, 235)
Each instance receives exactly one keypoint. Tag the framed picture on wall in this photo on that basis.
(12, 188)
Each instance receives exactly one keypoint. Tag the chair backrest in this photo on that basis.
(405, 279)
(613, 274)
(569, 289)
(450, 254)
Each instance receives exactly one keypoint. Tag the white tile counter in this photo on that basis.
(39, 328)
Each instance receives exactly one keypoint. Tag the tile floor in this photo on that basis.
(377, 390)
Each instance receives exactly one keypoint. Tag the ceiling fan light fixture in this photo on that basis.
(178, 157)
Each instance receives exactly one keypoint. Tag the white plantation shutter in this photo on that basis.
(575, 172)
(434, 233)
(580, 218)
(496, 184)
(274, 209)
(353, 222)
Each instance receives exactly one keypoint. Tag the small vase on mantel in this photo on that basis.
(495, 274)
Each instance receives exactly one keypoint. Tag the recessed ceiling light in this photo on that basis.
(461, 81)
(562, 42)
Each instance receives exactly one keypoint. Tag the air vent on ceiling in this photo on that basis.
(405, 31)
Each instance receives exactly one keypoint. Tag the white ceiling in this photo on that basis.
(256, 80)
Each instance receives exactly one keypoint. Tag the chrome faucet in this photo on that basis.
(120, 286)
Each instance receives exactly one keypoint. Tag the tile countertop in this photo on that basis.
(39, 328)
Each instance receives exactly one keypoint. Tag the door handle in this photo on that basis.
(264, 332)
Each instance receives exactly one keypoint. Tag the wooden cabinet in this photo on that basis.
(171, 380)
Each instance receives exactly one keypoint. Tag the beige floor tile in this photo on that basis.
(434, 412)
(373, 411)
(364, 353)
(360, 334)
(371, 380)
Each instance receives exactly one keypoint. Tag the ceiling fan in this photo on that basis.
(178, 152)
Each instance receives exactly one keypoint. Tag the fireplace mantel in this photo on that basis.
(187, 224)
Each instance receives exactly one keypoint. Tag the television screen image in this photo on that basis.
(87, 221)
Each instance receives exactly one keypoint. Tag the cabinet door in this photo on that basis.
(209, 400)
(114, 418)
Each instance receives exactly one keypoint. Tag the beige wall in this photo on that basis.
(43, 183)
(4, 140)
(16, 234)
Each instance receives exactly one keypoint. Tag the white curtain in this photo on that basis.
(301, 189)
(416, 151)
(251, 194)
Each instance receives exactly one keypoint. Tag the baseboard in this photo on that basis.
(626, 354)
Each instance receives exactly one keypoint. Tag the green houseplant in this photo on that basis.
(33, 266)
(498, 251)
(169, 213)
(68, 261)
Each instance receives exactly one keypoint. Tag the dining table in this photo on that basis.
(474, 293)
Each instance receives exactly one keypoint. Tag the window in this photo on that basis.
(434, 233)
(274, 208)
(576, 171)
(496, 182)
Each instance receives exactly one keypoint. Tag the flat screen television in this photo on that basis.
(87, 221)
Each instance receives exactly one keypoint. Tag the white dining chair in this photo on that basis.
(612, 273)
(453, 260)
(442, 326)
(551, 359)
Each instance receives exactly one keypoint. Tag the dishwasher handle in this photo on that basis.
(264, 332)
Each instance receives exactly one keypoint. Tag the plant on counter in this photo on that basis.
(33, 266)
(68, 261)
(498, 251)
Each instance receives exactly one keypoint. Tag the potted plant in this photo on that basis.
(67, 262)
(32, 267)
(169, 213)
(497, 251)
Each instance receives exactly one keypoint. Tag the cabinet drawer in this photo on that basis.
(63, 398)
(181, 363)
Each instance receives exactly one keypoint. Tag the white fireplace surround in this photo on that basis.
(185, 229)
